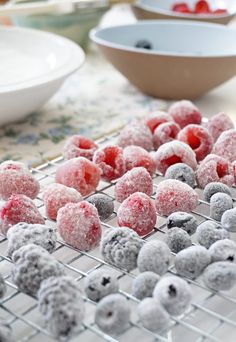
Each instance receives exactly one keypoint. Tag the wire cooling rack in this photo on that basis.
(211, 317)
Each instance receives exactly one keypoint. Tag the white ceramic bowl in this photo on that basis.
(188, 58)
(161, 9)
(33, 66)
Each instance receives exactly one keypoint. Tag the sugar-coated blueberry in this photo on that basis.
(213, 188)
(144, 284)
(181, 172)
(154, 256)
(183, 220)
(219, 203)
(104, 205)
(228, 220)
(209, 232)
(153, 316)
(191, 262)
(99, 284)
(177, 239)
(174, 294)
(220, 276)
(223, 250)
(112, 314)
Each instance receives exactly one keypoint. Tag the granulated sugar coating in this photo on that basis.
(18, 208)
(234, 170)
(80, 174)
(79, 146)
(223, 250)
(173, 195)
(181, 172)
(220, 276)
(184, 113)
(155, 119)
(137, 179)
(111, 162)
(56, 196)
(136, 156)
(136, 133)
(225, 145)
(174, 152)
(79, 225)
(164, 133)
(103, 203)
(198, 138)
(214, 188)
(214, 169)
(219, 203)
(15, 178)
(228, 220)
(208, 232)
(120, 247)
(138, 213)
(144, 284)
(219, 123)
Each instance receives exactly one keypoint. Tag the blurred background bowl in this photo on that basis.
(161, 9)
(74, 26)
(187, 59)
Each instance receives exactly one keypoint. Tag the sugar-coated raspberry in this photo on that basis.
(174, 152)
(183, 220)
(219, 203)
(6, 332)
(111, 162)
(228, 220)
(220, 276)
(79, 225)
(120, 247)
(32, 265)
(144, 284)
(223, 250)
(173, 195)
(56, 196)
(164, 133)
(79, 146)
(153, 316)
(184, 113)
(198, 138)
(22, 234)
(138, 213)
(104, 205)
(137, 179)
(99, 284)
(219, 123)
(62, 306)
(15, 178)
(209, 232)
(18, 208)
(191, 262)
(225, 145)
(177, 239)
(234, 170)
(3, 288)
(112, 314)
(214, 188)
(214, 169)
(154, 256)
(80, 174)
(136, 156)
(181, 172)
(174, 294)
(136, 133)
(154, 119)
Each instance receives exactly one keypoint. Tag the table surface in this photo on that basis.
(94, 106)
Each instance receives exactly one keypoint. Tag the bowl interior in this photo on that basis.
(179, 38)
(164, 6)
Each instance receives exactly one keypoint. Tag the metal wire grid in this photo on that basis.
(211, 317)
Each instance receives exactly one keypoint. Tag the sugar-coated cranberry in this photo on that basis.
(79, 146)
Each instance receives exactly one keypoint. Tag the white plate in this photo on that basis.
(33, 66)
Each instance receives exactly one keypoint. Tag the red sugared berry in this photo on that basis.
(225, 145)
(185, 113)
(56, 196)
(173, 195)
(174, 152)
(18, 208)
(164, 133)
(79, 146)
(137, 179)
(136, 156)
(234, 171)
(138, 213)
(136, 133)
(154, 119)
(80, 174)
(202, 6)
(214, 169)
(219, 123)
(15, 178)
(198, 138)
(111, 162)
(181, 7)
(79, 225)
